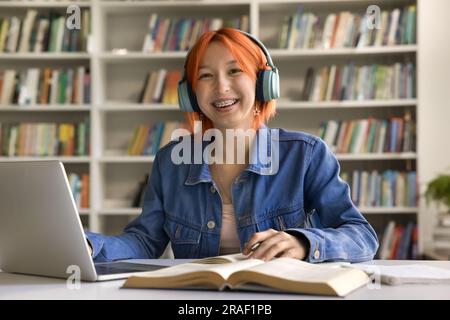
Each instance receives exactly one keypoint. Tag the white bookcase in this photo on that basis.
(118, 69)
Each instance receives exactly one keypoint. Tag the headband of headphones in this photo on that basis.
(267, 82)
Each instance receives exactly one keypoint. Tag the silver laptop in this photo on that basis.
(40, 229)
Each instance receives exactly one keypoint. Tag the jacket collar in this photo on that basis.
(200, 172)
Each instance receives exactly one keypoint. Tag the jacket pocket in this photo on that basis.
(184, 239)
(180, 233)
(283, 218)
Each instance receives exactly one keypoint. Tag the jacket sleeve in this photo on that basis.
(341, 232)
(142, 238)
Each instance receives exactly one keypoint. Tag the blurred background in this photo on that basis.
(93, 83)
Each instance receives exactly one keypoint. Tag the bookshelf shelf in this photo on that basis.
(84, 212)
(442, 231)
(168, 4)
(442, 245)
(45, 56)
(43, 108)
(133, 56)
(125, 106)
(64, 159)
(283, 104)
(380, 50)
(43, 4)
(127, 159)
(377, 156)
(120, 211)
(388, 210)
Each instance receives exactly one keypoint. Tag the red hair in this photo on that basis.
(248, 55)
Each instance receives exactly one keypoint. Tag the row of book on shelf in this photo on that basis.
(79, 185)
(73, 85)
(348, 82)
(345, 29)
(160, 87)
(45, 139)
(44, 32)
(399, 242)
(365, 82)
(180, 34)
(45, 86)
(389, 188)
(149, 138)
(371, 135)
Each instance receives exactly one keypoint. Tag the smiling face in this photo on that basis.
(225, 93)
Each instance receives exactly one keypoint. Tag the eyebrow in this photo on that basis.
(229, 62)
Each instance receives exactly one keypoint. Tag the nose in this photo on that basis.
(222, 84)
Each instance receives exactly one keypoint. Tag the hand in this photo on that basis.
(275, 244)
(90, 247)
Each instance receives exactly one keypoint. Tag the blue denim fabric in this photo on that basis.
(305, 197)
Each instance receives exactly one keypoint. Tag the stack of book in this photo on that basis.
(371, 135)
(180, 34)
(45, 86)
(399, 242)
(441, 236)
(44, 139)
(79, 185)
(346, 29)
(148, 139)
(39, 32)
(382, 189)
(366, 82)
(160, 87)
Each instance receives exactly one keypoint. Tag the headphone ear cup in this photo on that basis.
(186, 98)
(267, 85)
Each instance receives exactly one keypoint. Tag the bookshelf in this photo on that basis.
(118, 68)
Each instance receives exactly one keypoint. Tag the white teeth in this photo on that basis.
(224, 103)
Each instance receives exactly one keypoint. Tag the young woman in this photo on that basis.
(301, 210)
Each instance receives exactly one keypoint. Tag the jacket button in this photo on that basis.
(211, 224)
(213, 189)
(316, 254)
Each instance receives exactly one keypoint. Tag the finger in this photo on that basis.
(257, 237)
(287, 254)
(269, 242)
(277, 248)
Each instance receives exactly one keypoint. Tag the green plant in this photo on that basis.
(438, 190)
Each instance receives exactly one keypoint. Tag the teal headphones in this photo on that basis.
(267, 83)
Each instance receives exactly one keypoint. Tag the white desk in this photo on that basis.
(15, 286)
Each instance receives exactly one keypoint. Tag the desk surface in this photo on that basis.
(15, 286)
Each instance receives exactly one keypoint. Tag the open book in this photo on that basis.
(238, 272)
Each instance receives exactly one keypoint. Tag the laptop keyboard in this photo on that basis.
(124, 267)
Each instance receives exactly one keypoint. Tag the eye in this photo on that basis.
(204, 76)
(235, 71)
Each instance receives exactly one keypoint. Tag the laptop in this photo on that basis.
(40, 228)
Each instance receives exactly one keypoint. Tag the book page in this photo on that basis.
(222, 259)
(293, 269)
(223, 269)
(302, 277)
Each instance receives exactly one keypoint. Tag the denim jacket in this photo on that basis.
(305, 197)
